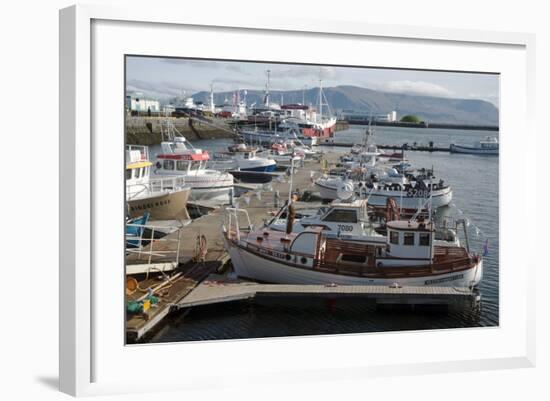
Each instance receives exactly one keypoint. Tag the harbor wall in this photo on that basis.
(145, 130)
(424, 124)
(142, 130)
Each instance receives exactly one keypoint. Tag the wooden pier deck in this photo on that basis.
(218, 289)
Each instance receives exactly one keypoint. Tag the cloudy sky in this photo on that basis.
(167, 77)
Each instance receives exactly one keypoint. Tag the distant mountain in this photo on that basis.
(428, 108)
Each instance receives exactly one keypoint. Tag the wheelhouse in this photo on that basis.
(177, 158)
(245, 154)
(410, 239)
(352, 212)
(137, 164)
(489, 143)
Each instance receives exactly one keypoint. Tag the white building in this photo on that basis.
(142, 104)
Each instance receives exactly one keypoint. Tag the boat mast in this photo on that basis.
(320, 98)
(266, 98)
(212, 106)
(432, 232)
(291, 178)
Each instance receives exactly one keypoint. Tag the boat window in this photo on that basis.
(354, 258)
(394, 237)
(168, 164)
(424, 239)
(246, 155)
(181, 165)
(408, 239)
(342, 216)
(128, 173)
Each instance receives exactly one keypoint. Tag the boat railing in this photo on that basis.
(143, 150)
(232, 224)
(161, 184)
(147, 245)
(167, 183)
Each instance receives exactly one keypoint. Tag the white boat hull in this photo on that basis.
(441, 197)
(219, 195)
(210, 187)
(472, 150)
(249, 265)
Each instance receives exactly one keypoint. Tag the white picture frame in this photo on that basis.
(84, 327)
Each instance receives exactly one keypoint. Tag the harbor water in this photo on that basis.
(475, 183)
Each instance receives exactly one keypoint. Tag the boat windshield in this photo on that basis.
(341, 216)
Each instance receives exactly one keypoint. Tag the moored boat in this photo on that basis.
(487, 146)
(410, 189)
(406, 256)
(243, 158)
(179, 158)
(164, 198)
(284, 155)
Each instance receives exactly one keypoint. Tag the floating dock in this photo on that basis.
(218, 289)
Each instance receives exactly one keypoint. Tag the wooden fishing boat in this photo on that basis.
(408, 255)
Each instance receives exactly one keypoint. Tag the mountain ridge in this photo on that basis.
(349, 97)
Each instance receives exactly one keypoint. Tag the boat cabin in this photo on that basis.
(243, 152)
(489, 143)
(137, 164)
(410, 239)
(177, 158)
(342, 219)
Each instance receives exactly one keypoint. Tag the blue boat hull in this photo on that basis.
(264, 169)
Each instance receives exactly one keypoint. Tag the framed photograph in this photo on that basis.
(280, 191)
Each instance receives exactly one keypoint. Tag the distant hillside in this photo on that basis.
(428, 108)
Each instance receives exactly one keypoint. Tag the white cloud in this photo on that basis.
(416, 88)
